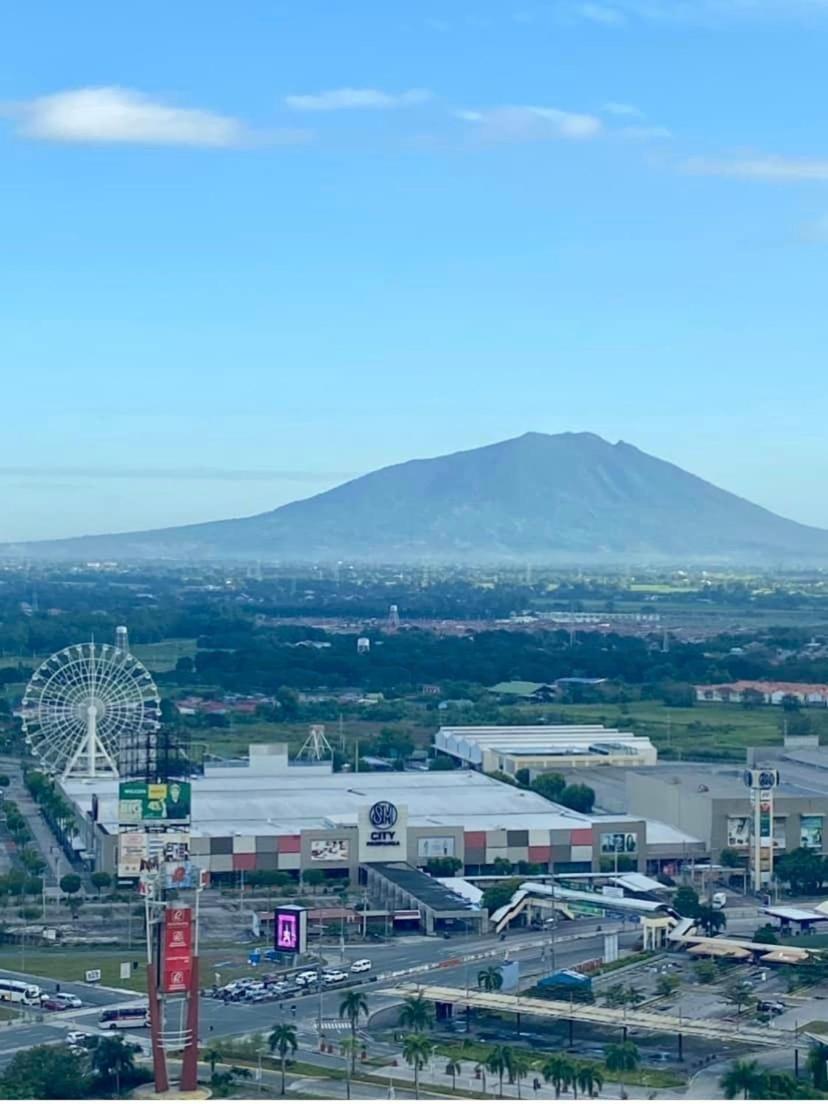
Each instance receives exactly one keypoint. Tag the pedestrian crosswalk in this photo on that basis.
(336, 1025)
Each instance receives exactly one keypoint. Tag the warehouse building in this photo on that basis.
(542, 748)
(265, 813)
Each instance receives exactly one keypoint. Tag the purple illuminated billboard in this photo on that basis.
(290, 930)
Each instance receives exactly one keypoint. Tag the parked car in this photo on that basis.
(361, 966)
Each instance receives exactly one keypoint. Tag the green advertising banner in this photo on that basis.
(153, 802)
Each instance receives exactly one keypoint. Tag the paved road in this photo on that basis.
(218, 1019)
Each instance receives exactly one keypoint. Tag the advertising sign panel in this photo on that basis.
(154, 802)
(617, 843)
(738, 831)
(330, 850)
(178, 950)
(383, 832)
(290, 930)
(810, 832)
(180, 875)
(765, 817)
(132, 853)
(435, 847)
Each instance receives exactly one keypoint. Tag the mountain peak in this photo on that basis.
(571, 498)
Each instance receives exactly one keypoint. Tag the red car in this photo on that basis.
(54, 1004)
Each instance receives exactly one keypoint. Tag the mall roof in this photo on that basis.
(244, 802)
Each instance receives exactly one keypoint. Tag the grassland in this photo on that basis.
(66, 965)
(706, 730)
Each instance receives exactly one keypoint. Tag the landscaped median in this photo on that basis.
(645, 1077)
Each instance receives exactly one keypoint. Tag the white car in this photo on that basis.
(361, 966)
(333, 977)
(71, 1000)
(307, 977)
(77, 1038)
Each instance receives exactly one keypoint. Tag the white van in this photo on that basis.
(719, 900)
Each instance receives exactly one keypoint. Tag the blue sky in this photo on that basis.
(251, 249)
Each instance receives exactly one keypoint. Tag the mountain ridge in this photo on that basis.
(569, 497)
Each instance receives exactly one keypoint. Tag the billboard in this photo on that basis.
(154, 802)
(180, 875)
(290, 930)
(618, 843)
(132, 853)
(330, 850)
(738, 831)
(178, 950)
(383, 832)
(810, 832)
(141, 852)
(435, 847)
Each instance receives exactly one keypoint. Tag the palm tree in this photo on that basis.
(213, 1055)
(453, 1067)
(349, 1048)
(113, 1058)
(559, 1070)
(520, 1066)
(743, 1077)
(490, 979)
(499, 1062)
(222, 1084)
(283, 1039)
(817, 1064)
(417, 1050)
(622, 1058)
(352, 1006)
(589, 1078)
(416, 1014)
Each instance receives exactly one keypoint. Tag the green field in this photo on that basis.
(164, 655)
(67, 965)
(706, 730)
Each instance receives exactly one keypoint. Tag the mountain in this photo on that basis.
(570, 498)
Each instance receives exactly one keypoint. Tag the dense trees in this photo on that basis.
(805, 871)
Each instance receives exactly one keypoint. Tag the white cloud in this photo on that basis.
(528, 124)
(339, 99)
(600, 13)
(645, 133)
(760, 167)
(629, 111)
(120, 115)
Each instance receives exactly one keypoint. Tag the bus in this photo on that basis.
(19, 992)
(115, 1019)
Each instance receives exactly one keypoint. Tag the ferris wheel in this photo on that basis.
(84, 705)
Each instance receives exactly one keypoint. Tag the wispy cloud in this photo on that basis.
(760, 167)
(645, 133)
(625, 110)
(528, 124)
(121, 115)
(344, 99)
(223, 474)
(710, 13)
(816, 230)
(602, 13)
